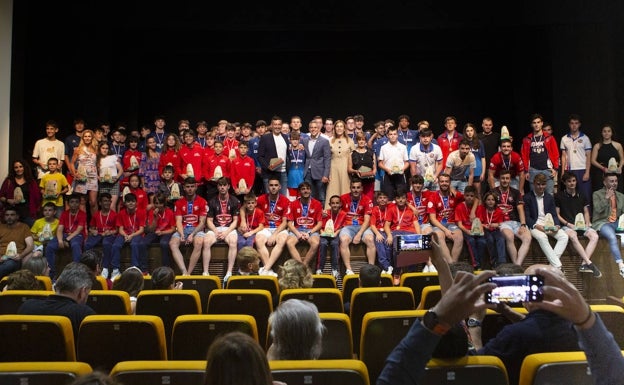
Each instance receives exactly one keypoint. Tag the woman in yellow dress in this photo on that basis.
(341, 148)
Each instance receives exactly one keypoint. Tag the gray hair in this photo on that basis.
(74, 276)
(296, 330)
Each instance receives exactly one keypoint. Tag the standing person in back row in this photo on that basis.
(576, 155)
(317, 161)
(540, 154)
(272, 155)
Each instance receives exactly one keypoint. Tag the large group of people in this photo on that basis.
(276, 186)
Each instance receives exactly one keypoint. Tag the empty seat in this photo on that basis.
(256, 303)
(613, 318)
(105, 340)
(468, 370)
(326, 300)
(168, 305)
(324, 281)
(41, 373)
(429, 297)
(11, 300)
(204, 284)
(257, 282)
(36, 338)
(364, 300)
(203, 329)
(352, 372)
(381, 333)
(337, 339)
(555, 368)
(109, 302)
(352, 282)
(159, 372)
(417, 281)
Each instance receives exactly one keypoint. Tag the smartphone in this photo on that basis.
(412, 249)
(515, 289)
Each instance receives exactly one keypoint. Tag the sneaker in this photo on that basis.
(432, 269)
(426, 269)
(319, 271)
(226, 277)
(335, 273)
(116, 274)
(594, 269)
(350, 272)
(622, 270)
(104, 273)
(267, 272)
(389, 270)
(584, 268)
(205, 273)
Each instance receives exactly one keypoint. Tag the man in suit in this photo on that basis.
(274, 145)
(536, 205)
(318, 160)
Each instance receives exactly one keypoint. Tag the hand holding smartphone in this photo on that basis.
(515, 289)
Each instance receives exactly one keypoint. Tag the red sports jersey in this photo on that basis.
(190, 218)
(401, 219)
(212, 163)
(164, 221)
(141, 197)
(338, 219)
(194, 156)
(305, 216)
(169, 157)
(131, 222)
(127, 163)
(462, 214)
(444, 207)
(421, 204)
(488, 218)
(514, 164)
(356, 209)
(274, 211)
(103, 222)
(379, 216)
(254, 220)
(243, 168)
(228, 146)
(70, 222)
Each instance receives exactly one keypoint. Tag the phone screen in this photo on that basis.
(516, 289)
(414, 242)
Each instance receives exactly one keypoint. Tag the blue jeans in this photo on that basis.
(318, 188)
(137, 248)
(496, 247)
(242, 241)
(52, 247)
(476, 248)
(550, 183)
(608, 231)
(384, 252)
(334, 245)
(163, 240)
(8, 266)
(107, 246)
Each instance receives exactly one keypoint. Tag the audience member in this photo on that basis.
(163, 278)
(248, 261)
(22, 280)
(38, 265)
(131, 281)
(95, 378)
(21, 191)
(294, 275)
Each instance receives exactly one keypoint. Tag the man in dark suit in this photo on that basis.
(317, 163)
(274, 146)
(537, 204)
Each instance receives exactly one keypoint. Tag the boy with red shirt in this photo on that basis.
(219, 159)
(417, 200)
(450, 138)
(243, 168)
(190, 215)
(130, 165)
(131, 226)
(304, 222)
(69, 233)
(254, 222)
(383, 243)
(230, 144)
(509, 160)
(401, 220)
(441, 210)
(337, 217)
(160, 225)
(477, 244)
(192, 154)
(103, 229)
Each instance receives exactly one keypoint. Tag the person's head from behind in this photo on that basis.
(235, 358)
(38, 265)
(75, 281)
(296, 331)
(370, 276)
(460, 266)
(92, 259)
(95, 378)
(248, 260)
(294, 275)
(508, 268)
(163, 277)
(22, 280)
(131, 281)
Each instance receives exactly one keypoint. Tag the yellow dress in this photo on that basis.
(338, 176)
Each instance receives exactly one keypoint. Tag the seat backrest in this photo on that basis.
(147, 282)
(168, 305)
(337, 339)
(324, 281)
(467, 370)
(11, 300)
(352, 282)
(256, 303)
(494, 322)
(204, 284)
(100, 283)
(257, 282)
(417, 281)
(555, 368)
(42, 373)
(326, 300)
(203, 329)
(36, 338)
(429, 297)
(159, 372)
(109, 302)
(613, 318)
(352, 372)
(367, 299)
(105, 340)
(381, 333)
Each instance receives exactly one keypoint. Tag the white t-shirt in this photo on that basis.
(576, 151)
(393, 155)
(46, 149)
(425, 158)
(281, 147)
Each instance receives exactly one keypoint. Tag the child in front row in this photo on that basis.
(252, 221)
(491, 217)
(477, 244)
(383, 243)
(131, 226)
(337, 216)
(160, 226)
(295, 165)
(103, 229)
(44, 229)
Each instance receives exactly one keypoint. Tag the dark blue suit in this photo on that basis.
(317, 165)
(266, 152)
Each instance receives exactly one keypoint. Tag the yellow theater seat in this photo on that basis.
(159, 372)
(204, 284)
(36, 338)
(429, 297)
(11, 300)
(326, 300)
(42, 373)
(324, 281)
(417, 281)
(568, 368)
(257, 282)
(109, 302)
(352, 372)
(467, 370)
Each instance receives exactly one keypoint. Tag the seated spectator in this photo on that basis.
(248, 260)
(294, 275)
(131, 281)
(37, 265)
(72, 290)
(93, 260)
(163, 278)
(95, 378)
(296, 331)
(370, 276)
(14, 233)
(22, 280)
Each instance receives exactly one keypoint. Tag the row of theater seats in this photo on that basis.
(568, 368)
(105, 340)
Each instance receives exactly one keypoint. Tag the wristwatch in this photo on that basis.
(431, 322)
(473, 323)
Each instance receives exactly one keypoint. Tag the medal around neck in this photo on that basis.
(477, 228)
(549, 222)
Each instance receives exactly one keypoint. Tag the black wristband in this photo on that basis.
(579, 324)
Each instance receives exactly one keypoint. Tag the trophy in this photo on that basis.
(364, 170)
(218, 173)
(396, 168)
(81, 174)
(549, 222)
(612, 166)
(190, 173)
(620, 226)
(134, 163)
(579, 222)
(125, 191)
(274, 162)
(242, 186)
(429, 174)
(477, 228)
(175, 192)
(505, 133)
(328, 230)
(107, 177)
(11, 251)
(50, 190)
(18, 195)
(46, 233)
(232, 154)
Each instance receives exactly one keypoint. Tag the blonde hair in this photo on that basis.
(294, 275)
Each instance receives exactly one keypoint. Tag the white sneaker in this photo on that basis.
(104, 273)
(335, 273)
(426, 269)
(267, 272)
(205, 273)
(116, 274)
(622, 270)
(349, 272)
(319, 271)
(432, 269)
(389, 271)
(227, 276)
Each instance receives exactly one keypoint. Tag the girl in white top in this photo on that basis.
(109, 172)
